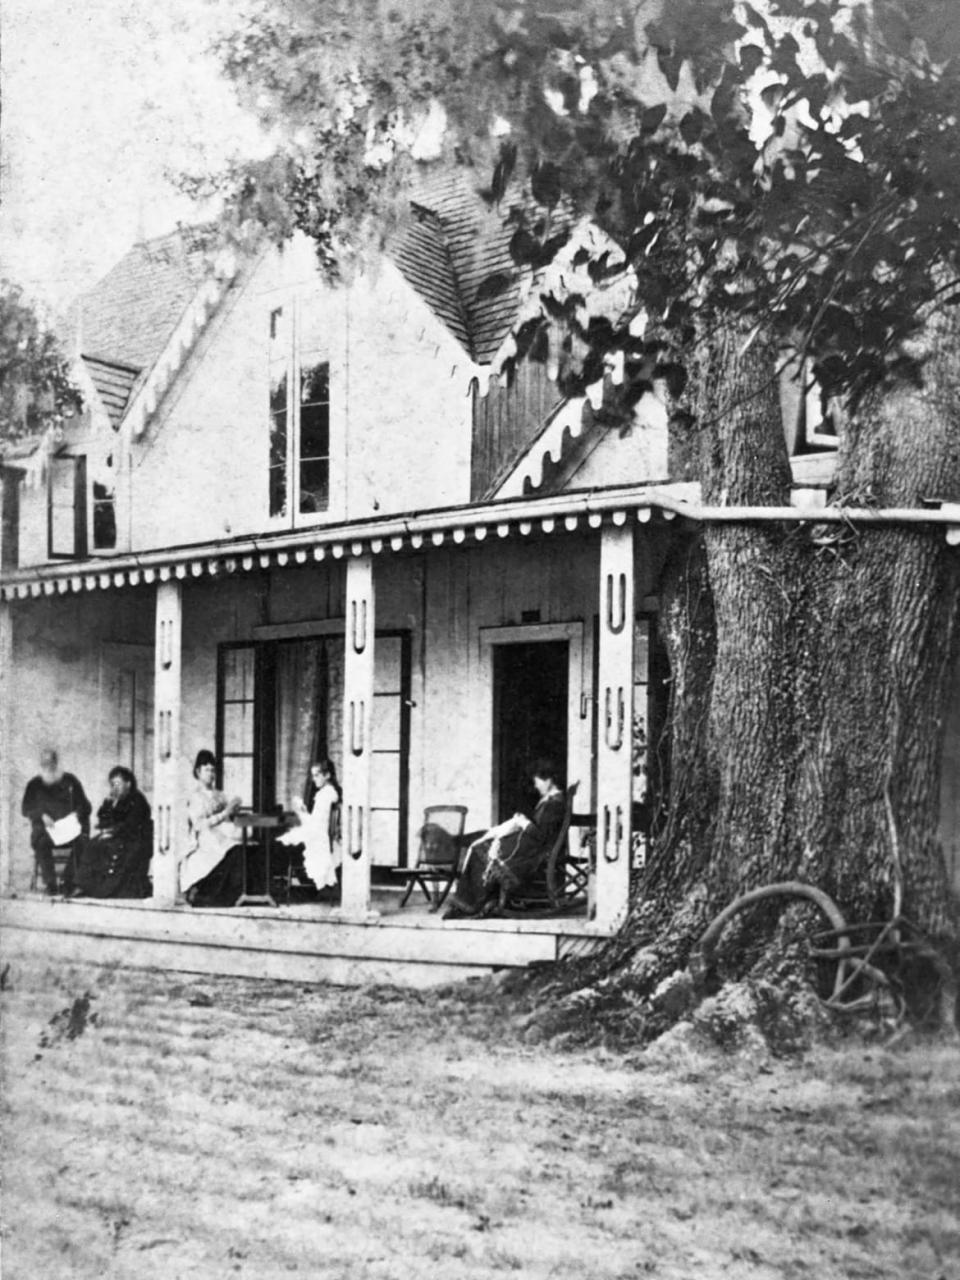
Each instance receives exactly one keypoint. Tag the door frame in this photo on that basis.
(579, 697)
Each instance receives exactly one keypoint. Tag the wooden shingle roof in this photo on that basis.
(127, 318)
(456, 253)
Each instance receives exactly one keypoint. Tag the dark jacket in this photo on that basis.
(56, 800)
(127, 819)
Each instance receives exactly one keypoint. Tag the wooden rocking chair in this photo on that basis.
(562, 885)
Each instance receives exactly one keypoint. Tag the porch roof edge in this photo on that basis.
(503, 518)
(432, 527)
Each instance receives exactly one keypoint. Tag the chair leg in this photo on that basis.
(444, 892)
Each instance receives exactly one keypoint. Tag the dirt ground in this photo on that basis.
(166, 1126)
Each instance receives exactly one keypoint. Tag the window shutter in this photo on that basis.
(67, 508)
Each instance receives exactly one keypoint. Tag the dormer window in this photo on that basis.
(299, 465)
(67, 507)
(104, 515)
(81, 513)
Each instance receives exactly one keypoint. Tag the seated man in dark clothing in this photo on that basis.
(115, 862)
(50, 797)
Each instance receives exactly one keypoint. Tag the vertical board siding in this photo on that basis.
(506, 420)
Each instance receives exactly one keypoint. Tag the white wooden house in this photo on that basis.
(296, 517)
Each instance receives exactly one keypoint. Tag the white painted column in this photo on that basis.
(7, 798)
(168, 800)
(357, 735)
(614, 736)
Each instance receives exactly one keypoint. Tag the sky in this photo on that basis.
(102, 101)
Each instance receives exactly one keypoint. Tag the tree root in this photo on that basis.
(849, 967)
(703, 952)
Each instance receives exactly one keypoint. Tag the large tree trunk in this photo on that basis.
(810, 669)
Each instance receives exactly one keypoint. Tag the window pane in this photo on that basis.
(315, 384)
(386, 664)
(278, 391)
(385, 781)
(314, 485)
(104, 518)
(62, 531)
(237, 728)
(278, 440)
(385, 837)
(314, 432)
(386, 722)
(238, 675)
(238, 778)
(278, 490)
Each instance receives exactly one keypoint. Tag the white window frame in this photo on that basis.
(293, 517)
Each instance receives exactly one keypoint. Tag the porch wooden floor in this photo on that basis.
(296, 943)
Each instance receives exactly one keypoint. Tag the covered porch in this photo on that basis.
(427, 657)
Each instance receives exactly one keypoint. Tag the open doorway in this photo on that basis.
(530, 706)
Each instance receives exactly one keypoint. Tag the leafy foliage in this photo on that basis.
(35, 386)
(787, 163)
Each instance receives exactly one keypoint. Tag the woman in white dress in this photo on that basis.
(205, 867)
(318, 830)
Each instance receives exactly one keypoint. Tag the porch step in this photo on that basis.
(287, 944)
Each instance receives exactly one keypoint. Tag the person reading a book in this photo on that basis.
(59, 814)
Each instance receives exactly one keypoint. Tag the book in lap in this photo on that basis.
(66, 830)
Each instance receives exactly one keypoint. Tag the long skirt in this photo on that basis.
(222, 886)
(507, 862)
(213, 845)
(112, 868)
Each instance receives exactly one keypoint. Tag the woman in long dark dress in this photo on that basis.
(116, 861)
(510, 855)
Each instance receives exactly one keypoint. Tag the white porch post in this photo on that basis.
(7, 798)
(357, 735)
(168, 801)
(615, 727)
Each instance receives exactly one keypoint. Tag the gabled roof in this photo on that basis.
(455, 252)
(114, 383)
(127, 317)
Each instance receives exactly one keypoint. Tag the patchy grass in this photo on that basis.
(157, 1126)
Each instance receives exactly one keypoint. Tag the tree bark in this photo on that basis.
(809, 667)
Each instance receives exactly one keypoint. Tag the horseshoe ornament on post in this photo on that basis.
(163, 828)
(358, 628)
(616, 623)
(613, 730)
(357, 728)
(612, 833)
(355, 852)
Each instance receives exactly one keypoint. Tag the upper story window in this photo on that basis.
(809, 422)
(81, 513)
(299, 465)
(67, 508)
